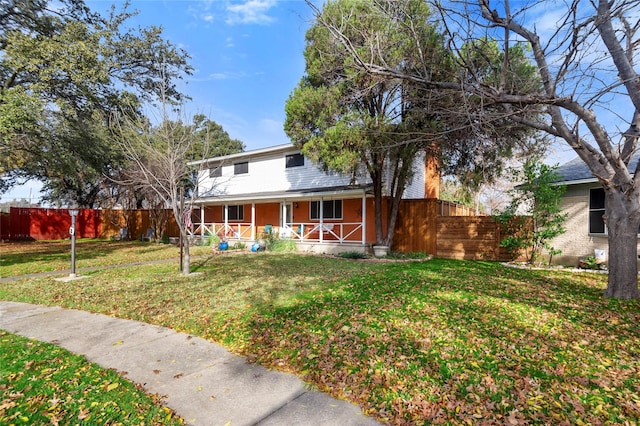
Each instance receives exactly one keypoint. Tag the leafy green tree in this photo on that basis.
(348, 121)
(63, 70)
(453, 191)
(381, 88)
(539, 199)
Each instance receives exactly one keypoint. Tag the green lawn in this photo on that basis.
(421, 342)
(46, 256)
(43, 384)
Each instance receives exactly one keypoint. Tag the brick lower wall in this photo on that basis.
(576, 243)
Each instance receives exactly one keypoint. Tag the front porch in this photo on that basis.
(316, 224)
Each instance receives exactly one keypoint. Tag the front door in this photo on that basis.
(286, 217)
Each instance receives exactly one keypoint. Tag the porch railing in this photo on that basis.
(240, 231)
(303, 232)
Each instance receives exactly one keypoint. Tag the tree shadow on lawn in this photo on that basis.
(578, 297)
(442, 331)
(49, 252)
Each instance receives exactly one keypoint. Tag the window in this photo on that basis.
(236, 213)
(596, 211)
(294, 160)
(241, 168)
(331, 209)
(215, 172)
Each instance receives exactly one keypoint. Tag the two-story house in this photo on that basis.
(277, 190)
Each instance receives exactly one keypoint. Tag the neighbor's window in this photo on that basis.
(294, 160)
(236, 213)
(215, 171)
(331, 209)
(596, 211)
(241, 168)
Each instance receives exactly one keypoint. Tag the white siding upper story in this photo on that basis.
(415, 188)
(267, 172)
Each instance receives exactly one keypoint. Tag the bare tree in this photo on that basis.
(588, 93)
(159, 157)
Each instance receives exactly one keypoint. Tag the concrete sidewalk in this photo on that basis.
(201, 381)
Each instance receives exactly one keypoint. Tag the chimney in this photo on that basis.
(431, 177)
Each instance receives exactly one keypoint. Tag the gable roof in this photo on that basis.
(246, 154)
(576, 171)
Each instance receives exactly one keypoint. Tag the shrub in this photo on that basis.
(541, 200)
(210, 239)
(278, 245)
(410, 255)
(352, 255)
(591, 262)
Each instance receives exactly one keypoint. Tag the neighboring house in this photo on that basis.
(277, 190)
(584, 202)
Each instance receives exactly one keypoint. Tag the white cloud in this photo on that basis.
(250, 12)
(218, 76)
(271, 126)
(202, 12)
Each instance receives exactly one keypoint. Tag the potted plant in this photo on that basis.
(380, 251)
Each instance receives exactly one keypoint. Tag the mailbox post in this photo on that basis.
(72, 231)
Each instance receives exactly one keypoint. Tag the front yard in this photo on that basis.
(412, 343)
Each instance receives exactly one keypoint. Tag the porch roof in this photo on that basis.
(336, 192)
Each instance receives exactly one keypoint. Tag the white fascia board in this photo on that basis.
(253, 153)
(575, 182)
(277, 197)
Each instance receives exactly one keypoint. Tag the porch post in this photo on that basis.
(284, 215)
(202, 220)
(364, 219)
(226, 218)
(253, 220)
(321, 220)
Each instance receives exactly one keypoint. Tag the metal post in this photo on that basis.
(72, 231)
(181, 226)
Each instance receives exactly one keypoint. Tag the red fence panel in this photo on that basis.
(20, 223)
(51, 224)
(5, 225)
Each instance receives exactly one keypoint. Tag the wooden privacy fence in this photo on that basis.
(53, 224)
(4, 225)
(422, 227)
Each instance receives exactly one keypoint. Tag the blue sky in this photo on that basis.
(247, 55)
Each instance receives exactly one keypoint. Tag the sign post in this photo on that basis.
(72, 232)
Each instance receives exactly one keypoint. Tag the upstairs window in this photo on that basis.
(241, 168)
(215, 172)
(331, 209)
(235, 213)
(294, 160)
(596, 211)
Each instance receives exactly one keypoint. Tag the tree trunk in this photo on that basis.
(376, 178)
(184, 239)
(623, 220)
(186, 259)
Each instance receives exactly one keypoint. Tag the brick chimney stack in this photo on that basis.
(432, 177)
